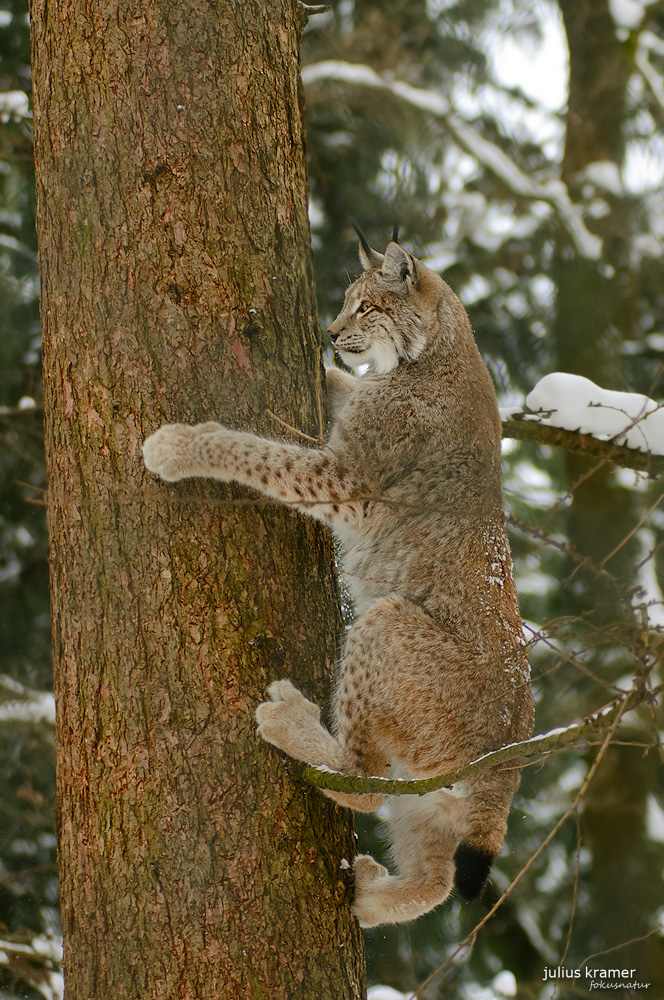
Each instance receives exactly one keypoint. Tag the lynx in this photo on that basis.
(434, 673)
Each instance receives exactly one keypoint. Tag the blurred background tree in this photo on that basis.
(521, 147)
(29, 923)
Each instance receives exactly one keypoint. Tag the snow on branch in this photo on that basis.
(492, 158)
(514, 753)
(571, 412)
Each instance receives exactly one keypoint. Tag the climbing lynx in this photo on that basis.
(434, 673)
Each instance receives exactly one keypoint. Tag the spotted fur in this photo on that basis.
(434, 673)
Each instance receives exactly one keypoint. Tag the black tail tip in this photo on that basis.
(472, 867)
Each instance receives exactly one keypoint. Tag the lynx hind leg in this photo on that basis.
(292, 722)
(388, 710)
(424, 832)
(370, 727)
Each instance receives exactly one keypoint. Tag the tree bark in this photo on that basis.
(177, 285)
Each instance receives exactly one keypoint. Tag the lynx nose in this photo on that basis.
(334, 329)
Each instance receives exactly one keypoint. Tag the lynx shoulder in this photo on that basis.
(434, 672)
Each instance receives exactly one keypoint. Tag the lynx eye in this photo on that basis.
(364, 308)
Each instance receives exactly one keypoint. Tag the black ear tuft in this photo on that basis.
(472, 865)
(369, 259)
(362, 238)
(395, 233)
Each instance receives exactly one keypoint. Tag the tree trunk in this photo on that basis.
(177, 285)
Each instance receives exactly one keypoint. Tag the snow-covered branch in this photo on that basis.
(515, 753)
(571, 412)
(582, 444)
(491, 157)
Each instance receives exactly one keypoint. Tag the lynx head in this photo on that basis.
(393, 312)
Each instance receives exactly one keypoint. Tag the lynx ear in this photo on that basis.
(399, 269)
(369, 259)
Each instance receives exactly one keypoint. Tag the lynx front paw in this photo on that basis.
(177, 451)
(339, 386)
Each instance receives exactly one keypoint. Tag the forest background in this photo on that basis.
(541, 203)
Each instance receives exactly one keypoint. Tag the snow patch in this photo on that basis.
(552, 192)
(505, 983)
(604, 174)
(27, 706)
(39, 708)
(14, 106)
(655, 820)
(628, 14)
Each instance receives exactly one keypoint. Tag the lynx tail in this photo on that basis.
(472, 867)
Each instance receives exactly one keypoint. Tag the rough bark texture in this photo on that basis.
(177, 285)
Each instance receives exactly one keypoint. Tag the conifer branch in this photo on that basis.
(488, 154)
(583, 444)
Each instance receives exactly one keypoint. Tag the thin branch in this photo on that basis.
(556, 739)
(623, 944)
(652, 79)
(294, 430)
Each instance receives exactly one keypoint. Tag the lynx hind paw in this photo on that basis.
(366, 905)
(287, 713)
(280, 691)
(367, 870)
